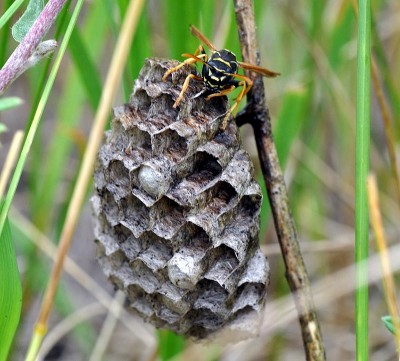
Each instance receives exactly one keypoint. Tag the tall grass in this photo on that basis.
(313, 109)
(363, 111)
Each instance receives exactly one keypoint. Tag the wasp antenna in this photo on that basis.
(199, 35)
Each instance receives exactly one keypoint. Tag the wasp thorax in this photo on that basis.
(177, 211)
(217, 73)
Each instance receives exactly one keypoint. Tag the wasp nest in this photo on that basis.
(177, 211)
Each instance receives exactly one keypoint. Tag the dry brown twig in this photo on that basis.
(256, 113)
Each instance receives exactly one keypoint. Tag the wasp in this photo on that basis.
(219, 72)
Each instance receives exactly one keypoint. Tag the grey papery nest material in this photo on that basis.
(177, 211)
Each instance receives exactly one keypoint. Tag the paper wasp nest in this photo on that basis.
(176, 211)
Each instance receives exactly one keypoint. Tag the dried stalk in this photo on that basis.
(389, 285)
(387, 124)
(11, 159)
(257, 114)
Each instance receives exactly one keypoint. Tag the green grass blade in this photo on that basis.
(10, 12)
(4, 33)
(10, 292)
(139, 49)
(9, 103)
(179, 15)
(86, 68)
(36, 158)
(170, 344)
(36, 120)
(341, 34)
(43, 72)
(67, 118)
(362, 169)
(290, 121)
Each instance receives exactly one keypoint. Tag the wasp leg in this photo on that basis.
(176, 68)
(193, 60)
(222, 93)
(184, 88)
(246, 84)
(200, 50)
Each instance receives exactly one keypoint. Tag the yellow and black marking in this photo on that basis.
(216, 73)
(219, 72)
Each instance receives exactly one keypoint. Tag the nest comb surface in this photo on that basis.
(176, 211)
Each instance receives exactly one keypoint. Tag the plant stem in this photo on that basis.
(18, 59)
(362, 169)
(257, 114)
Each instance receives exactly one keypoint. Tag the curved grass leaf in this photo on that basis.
(290, 120)
(25, 22)
(85, 66)
(388, 322)
(10, 292)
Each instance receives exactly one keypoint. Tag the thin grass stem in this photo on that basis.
(362, 169)
(10, 12)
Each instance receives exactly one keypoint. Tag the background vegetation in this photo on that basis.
(312, 105)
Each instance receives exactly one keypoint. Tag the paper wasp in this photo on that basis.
(219, 72)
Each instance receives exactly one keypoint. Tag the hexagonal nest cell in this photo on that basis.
(176, 211)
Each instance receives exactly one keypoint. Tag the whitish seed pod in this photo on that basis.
(177, 210)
